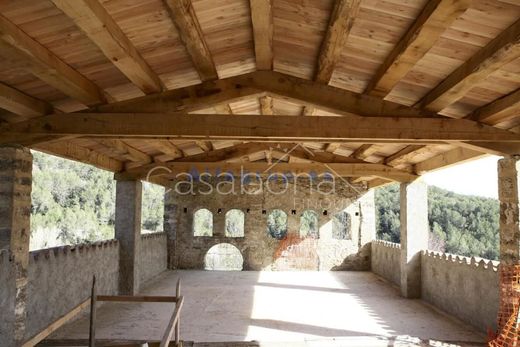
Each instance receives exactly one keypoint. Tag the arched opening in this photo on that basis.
(235, 220)
(224, 257)
(341, 226)
(277, 224)
(203, 223)
(309, 224)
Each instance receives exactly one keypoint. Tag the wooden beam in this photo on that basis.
(69, 150)
(265, 128)
(434, 19)
(22, 104)
(225, 154)
(332, 147)
(378, 183)
(498, 111)
(166, 147)
(190, 32)
(17, 46)
(341, 169)
(123, 149)
(447, 159)
(336, 100)
(262, 19)
(223, 109)
(308, 111)
(364, 151)
(187, 99)
(340, 23)
(404, 155)
(92, 18)
(502, 50)
(266, 105)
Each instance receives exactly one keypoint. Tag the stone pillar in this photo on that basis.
(171, 215)
(128, 233)
(508, 195)
(414, 236)
(15, 230)
(367, 208)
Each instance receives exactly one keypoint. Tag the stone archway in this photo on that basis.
(224, 257)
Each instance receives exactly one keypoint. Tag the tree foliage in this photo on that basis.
(74, 203)
(459, 224)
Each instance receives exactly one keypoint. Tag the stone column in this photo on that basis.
(128, 233)
(171, 215)
(15, 230)
(508, 195)
(414, 236)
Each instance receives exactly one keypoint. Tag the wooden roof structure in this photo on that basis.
(378, 90)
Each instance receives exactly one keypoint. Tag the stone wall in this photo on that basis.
(263, 252)
(7, 298)
(153, 256)
(386, 260)
(60, 278)
(466, 288)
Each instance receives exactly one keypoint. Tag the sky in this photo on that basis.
(478, 177)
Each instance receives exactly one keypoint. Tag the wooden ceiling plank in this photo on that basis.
(502, 50)
(262, 21)
(190, 32)
(340, 23)
(93, 19)
(434, 19)
(16, 45)
(22, 104)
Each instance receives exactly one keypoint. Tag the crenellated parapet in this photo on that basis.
(386, 244)
(63, 251)
(476, 262)
(386, 257)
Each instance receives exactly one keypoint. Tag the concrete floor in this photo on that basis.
(303, 308)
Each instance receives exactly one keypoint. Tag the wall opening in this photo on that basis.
(341, 226)
(277, 224)
(235, 220)
(203, 223)
(224, 257)
(309, 224)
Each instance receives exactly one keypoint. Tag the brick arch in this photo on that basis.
(206, 254)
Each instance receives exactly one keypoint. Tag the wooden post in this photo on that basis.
(178, 326)
(92, 331)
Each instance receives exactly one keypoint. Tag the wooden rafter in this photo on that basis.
(262, 19)
(498, 111)
(435, 18)
(502, 50)
(340, 23)
(404, 155)
(446, 159)
(123, 149)
(22, 104)
(69, 150)
(26, 53)
(267, 128)
(342, 170)
(91, 17)
(364, 151)
(168, 148)
(190, 32)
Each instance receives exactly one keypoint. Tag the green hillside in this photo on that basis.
(459, 224)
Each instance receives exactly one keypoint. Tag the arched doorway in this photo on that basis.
(224, 257)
